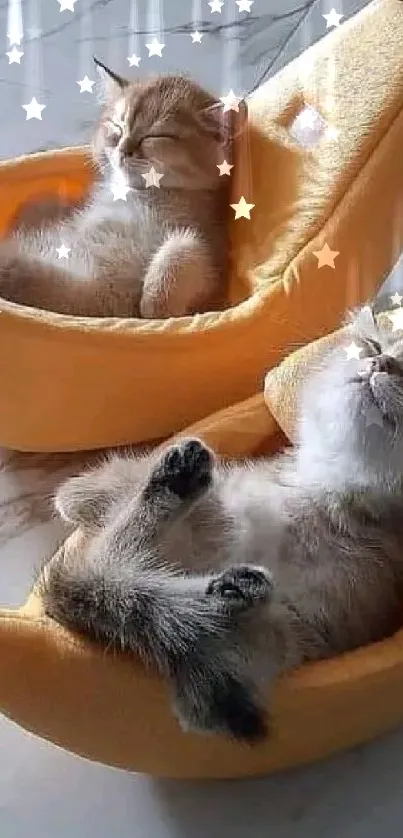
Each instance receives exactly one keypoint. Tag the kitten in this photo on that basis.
(158, 252)
(226, 575)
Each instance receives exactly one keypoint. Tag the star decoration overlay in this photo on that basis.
(396, 299)
(14, 38)
(326, 256)
(216, 6)
(63, 251)
(225, 168)
(242, 209)
(333, 18)
(353, 351)
(134, 60)
(155, 48)
(373, 416)
(120, 191)
(67, 5)
(396, 318)
(14, 56)
(34, 109)
(196, 37)
(231, 102)
(244, 5)
(152, 178)
(86, 85)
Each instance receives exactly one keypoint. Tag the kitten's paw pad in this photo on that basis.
(242, 586)
(185, 469)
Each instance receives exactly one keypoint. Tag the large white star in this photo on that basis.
(120, 191)
(396, 318)
(34, 109)
(242, 209)
(152, 178)
(216, 6)
(333, 18)
(353, 351)
(244, 5)
(63, 251)
(134, 60)
(14, 56)
(155, 48)
(66, 5)
(86, 85)
(225, 168)
(231, 102)
(396, 299)
(196, 36)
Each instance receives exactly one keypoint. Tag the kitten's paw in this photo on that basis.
(185, 469)
(242, 586)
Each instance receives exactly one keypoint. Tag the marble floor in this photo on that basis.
(44, 791)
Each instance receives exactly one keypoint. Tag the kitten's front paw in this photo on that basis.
(242, 586)
(185, 469)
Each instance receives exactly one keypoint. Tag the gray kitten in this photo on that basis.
(226, 575)
(155, 251)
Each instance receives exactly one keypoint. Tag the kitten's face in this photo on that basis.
(353, 407)
(169, 123)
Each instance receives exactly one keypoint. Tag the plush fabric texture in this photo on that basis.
(71, 383)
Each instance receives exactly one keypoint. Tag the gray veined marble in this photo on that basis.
(43, 791)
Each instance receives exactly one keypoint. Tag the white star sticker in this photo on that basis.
(244, 5)
(66, 5)
(326, 256)
(353, 351)
(396, 299)
(225, 168)
(155, 48)
(34, 109)
(14, 37)
(86, 85)
(196, 37)
(231, 102)
(242, 209)
(373, 416)
(134, 60)
(396, 318)
(216, 6)
(14, 56)
(63, 251)
(333, 18)
(120, 190)
(152, 178)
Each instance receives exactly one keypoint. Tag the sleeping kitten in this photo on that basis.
(225, 576)
(153, 252)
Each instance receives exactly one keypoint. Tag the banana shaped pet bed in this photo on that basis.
(325, 230)
(108, 708)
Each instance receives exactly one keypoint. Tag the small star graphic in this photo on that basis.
(373, 416)
(353, 351)
(225, 168)
(396, 299)
(66, 5)
(15, 37)
(230, 102)
(396, 318)
(119, 191)
(134, 60)
(63, 251)
(333, 18)
(216, 6)
(244, 5)
(326, 256)
(86, 85)
(332, 133)
(152, 178)
(34, 109)
(196, 37)
(155, 48)
(14, 56)
(242, 209)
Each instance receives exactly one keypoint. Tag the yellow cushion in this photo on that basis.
(70, 383)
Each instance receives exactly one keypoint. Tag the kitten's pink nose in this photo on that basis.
(385, 363)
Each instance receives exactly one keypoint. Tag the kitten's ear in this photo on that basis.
(226, 126)
(111, 84)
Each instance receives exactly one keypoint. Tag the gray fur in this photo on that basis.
(226, 575)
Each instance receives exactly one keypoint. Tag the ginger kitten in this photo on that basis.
(154, 252)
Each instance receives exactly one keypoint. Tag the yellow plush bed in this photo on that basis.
(106, 707)
(70, 383)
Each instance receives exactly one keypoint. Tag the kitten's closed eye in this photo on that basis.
(113, 131)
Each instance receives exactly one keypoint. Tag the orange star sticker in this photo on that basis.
(326, 256)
